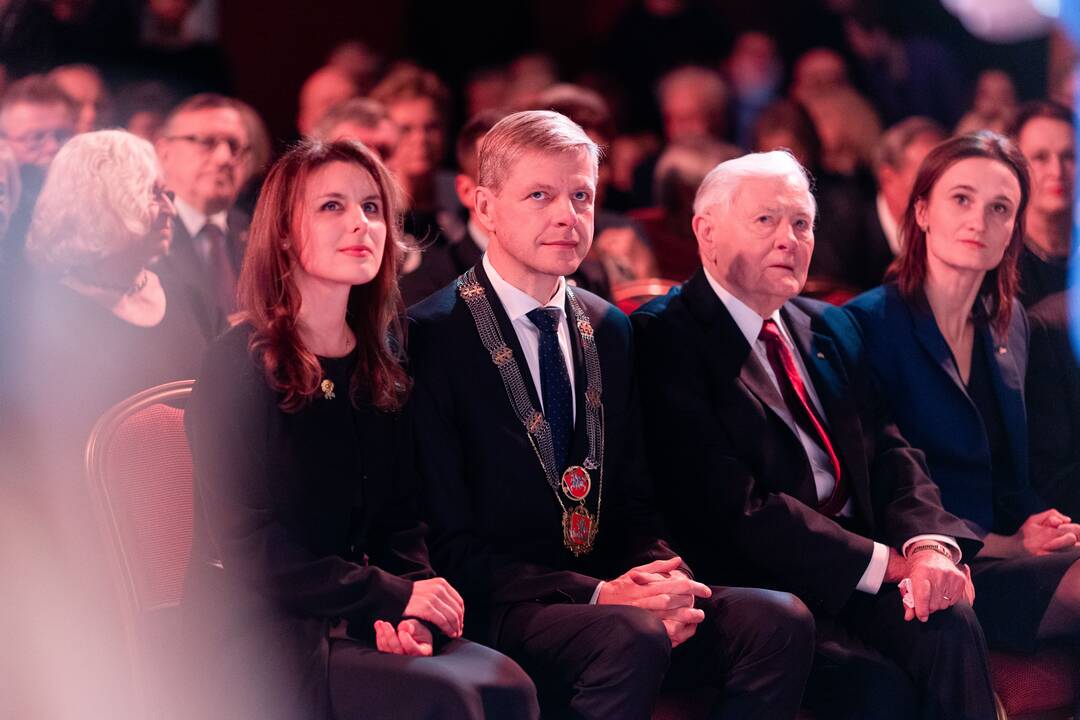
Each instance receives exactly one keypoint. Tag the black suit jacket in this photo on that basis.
(183, 262)
(737, 484)
(495, 523)
(1053, 405)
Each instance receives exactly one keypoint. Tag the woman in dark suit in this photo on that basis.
(310, 593)
(948, 345)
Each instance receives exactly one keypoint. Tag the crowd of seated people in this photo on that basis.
(438, 474)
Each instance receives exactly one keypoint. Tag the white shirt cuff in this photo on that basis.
(596, 593)
(871, 579)
(943, 539)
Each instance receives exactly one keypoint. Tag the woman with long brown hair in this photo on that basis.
(310, 593)
(947, 342)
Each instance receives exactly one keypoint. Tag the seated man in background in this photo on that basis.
(87, 89)
(203, 148)
(782, 471)
(897, 157)
(36, 118)
(525, 400)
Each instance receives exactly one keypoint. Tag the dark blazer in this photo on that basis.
(495, 523)
(301, 520)
(913, 367)
(734, 479)
(183, 262)
(1053, 406)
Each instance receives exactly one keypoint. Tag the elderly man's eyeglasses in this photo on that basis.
(209, 143)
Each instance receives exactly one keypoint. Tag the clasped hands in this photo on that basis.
(1047, 532)
(662, 589)
(434, 601)
(936, 581)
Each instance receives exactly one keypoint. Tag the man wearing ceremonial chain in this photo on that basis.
(536, 491)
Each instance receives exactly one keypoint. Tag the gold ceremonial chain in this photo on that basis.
(579, 526)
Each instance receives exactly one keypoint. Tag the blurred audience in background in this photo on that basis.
(36, 119)
(328, 86)
(993, 105)
(1045, 132)
(419, 104)
(86, 88)
(360, 119)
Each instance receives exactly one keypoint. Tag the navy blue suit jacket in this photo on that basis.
(734, 480)
(914, 369)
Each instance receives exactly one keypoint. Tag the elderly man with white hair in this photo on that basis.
(783, 471)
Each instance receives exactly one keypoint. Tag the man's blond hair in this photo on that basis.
(531, 130)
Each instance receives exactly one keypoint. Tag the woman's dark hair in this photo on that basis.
(270, 300)
(1000, 284)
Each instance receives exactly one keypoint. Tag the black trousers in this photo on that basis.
(465, 681)
(610, 661)
(870, 664)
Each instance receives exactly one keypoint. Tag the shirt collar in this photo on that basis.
(478, 235)
(518, 302)
(746, 318)
(888, 225)
(194, 221)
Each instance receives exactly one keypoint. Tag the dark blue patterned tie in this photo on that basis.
(554, 383)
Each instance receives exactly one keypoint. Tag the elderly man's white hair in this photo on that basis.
(719, 186)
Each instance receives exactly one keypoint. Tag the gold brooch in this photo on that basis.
(327, 387)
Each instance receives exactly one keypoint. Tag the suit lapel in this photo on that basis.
(1009, 389)
(726, 344)
(933, 342)
(506, 328)
(182, 256)
(822, 361)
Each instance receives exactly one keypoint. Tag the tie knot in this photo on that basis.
(770, 332)
(212, 233)
(546, 319)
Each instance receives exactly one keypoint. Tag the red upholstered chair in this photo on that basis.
(629, 296)
(138, 468)
(828, 290)
(1043, 686)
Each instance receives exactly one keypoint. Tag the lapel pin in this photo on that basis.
(821, 355)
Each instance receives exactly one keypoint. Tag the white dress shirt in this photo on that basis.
(194, 221)
(750, 323)
(517, 303)
(888, 225)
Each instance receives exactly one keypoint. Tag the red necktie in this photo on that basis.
(798, 402)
